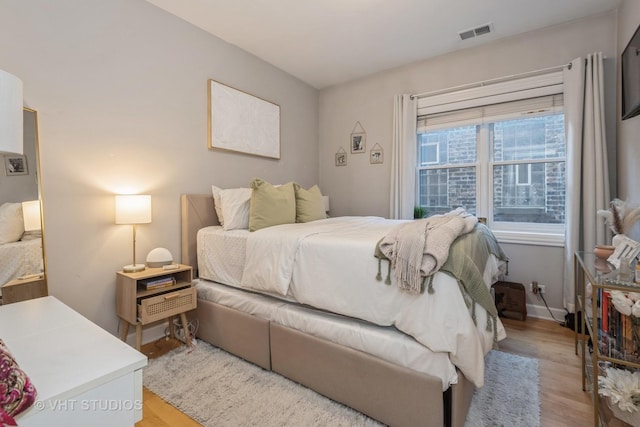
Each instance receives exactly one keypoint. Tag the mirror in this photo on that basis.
(21, 234)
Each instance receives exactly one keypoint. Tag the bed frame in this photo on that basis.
(392, 394)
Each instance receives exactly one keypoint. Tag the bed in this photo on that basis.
(20, 258)
(375, 361)
(20, 251)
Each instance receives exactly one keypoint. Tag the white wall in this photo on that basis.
(628, 130)
(121, 91)
(362, 188)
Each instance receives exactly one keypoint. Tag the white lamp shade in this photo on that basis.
(31, 215)
(10, 114)
(325, 201)
(133, 209)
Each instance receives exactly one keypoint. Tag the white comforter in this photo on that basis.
(329, 264)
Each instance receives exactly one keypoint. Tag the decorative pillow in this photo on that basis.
(309, 204)
(217, 203)
(271, 205)
(17, 393)
(235, 208)
(11, 222)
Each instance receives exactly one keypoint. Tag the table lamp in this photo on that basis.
(31, 215)
(10, 114)
(133, 209)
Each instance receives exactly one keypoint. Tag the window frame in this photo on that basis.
(506, 232)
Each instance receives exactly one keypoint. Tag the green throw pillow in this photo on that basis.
(309, 204)
(271, 205)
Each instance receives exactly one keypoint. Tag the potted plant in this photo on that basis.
(419, 212)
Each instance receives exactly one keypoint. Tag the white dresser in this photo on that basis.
(84, 376)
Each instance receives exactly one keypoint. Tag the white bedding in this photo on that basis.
(333, 276)
(20, 258)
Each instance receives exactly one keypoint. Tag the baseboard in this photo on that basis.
(541, 312)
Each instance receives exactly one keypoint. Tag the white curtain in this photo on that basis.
(587, 171)
(403, 158)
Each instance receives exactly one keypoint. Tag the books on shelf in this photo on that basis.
(157, 282)
(619, 335)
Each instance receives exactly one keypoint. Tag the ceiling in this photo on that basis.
(327, 42)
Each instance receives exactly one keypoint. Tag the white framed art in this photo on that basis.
(243, 123)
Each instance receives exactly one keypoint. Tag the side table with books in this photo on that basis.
(155, 294)
(609, 338)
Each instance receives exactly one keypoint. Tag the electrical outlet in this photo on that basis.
(534, 287)
(542, 289)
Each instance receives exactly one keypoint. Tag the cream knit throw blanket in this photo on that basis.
(418, 249)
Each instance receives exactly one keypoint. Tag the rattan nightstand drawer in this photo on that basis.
(165, 305)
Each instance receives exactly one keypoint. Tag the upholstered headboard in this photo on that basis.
(197, 212)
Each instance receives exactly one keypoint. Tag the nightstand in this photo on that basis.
(155, 294)
(24, 289)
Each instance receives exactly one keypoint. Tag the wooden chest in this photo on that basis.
(511, 300)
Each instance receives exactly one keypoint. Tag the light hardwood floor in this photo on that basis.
(563, 403)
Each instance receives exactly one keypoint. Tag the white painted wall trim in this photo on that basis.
(541, 312)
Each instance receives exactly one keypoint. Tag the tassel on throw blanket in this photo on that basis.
(418, 249)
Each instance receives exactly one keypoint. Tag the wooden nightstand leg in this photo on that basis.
(138, 336)
(172, 332)
(125, 330)
(185, 328)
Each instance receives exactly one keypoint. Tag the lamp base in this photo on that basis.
(133, 268)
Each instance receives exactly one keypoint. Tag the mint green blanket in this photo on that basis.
(467, 259)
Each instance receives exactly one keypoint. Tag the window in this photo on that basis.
(451, 180)
(528, 169)
(523, 172)
(505, 162)
(431, 152)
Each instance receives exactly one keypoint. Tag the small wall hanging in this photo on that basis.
(341, 157)
(358, 140)
(376, 155)
(15, 164)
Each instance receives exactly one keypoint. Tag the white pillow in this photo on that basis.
(11, 222)
(235, 208)
(217, 203)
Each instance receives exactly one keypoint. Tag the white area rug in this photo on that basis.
(218, 389)
(510, 396)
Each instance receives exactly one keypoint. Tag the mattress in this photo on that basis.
(386, 343)
(221, 254)
(336, 275)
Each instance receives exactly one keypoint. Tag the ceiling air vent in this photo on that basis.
(475, 32)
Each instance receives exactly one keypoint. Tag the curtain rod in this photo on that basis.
(491, 81)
